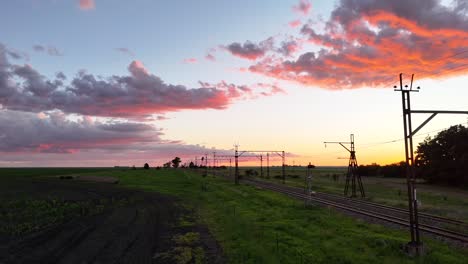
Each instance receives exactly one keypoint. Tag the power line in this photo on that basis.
(401, 139)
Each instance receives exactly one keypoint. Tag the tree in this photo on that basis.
(192, 165)
(444, 158)
(167, 164)
(146, 166)
(175, 162)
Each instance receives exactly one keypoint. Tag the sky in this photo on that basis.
(107, 83)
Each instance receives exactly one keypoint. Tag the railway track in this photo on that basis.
(431, 225)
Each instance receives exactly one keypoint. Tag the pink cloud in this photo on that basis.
(190, 60)
(137, 95)
(210, 57)
(86, 4)
(245, 91)
(303, 7)
(295, 23)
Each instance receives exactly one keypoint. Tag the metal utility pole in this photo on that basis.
(236, 163)
(213, 166)
(415, 246)
(224, 158)
(308, 183)
(268, 165)
(283, 166)
(206, 164)
(352, 175)
(261, 166)
(278, 152)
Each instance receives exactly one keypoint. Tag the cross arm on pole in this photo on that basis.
(437, 112)
(341, 143)
(434, 113)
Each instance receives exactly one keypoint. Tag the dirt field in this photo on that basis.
(117, 225)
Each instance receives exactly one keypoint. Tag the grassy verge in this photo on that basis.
(258, 226)
(443, 201)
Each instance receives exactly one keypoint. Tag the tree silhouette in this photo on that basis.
(175, 162)
(444, 158)
(192, 165)
(146, 166)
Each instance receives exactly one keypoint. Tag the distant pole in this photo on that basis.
(284, 172)
(206, 164)
(268, 165)
(261, 166)
(309, 180)
(236, 162)
(213, 167)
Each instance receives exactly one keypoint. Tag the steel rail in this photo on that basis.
(389, 218)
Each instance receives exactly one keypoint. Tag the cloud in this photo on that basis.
(161, 117)
(54, 133)
(210, 54)
(125, 51)
(190, 60)
(17, 55)
(210, 57)
(245, 91)
(137, 95)
(86, 4)
(51, 50)
(42, 140)
(295, 23)
(289, 47)
(250, 50)
(155, 154)
(302, 7)
(367, 43)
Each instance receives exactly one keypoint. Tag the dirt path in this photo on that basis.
(139, 229)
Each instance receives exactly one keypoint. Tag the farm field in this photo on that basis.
(200, 219)
(438, 200)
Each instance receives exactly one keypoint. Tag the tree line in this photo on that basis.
(442, 159)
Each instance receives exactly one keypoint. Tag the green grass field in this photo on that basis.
(258, 226)
(439, 200)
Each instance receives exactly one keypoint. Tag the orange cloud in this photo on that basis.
(366, 44)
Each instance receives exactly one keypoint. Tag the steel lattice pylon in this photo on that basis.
(352, 176)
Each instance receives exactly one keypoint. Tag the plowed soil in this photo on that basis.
(132, 227)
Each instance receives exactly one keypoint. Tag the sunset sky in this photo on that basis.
(107, 82)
